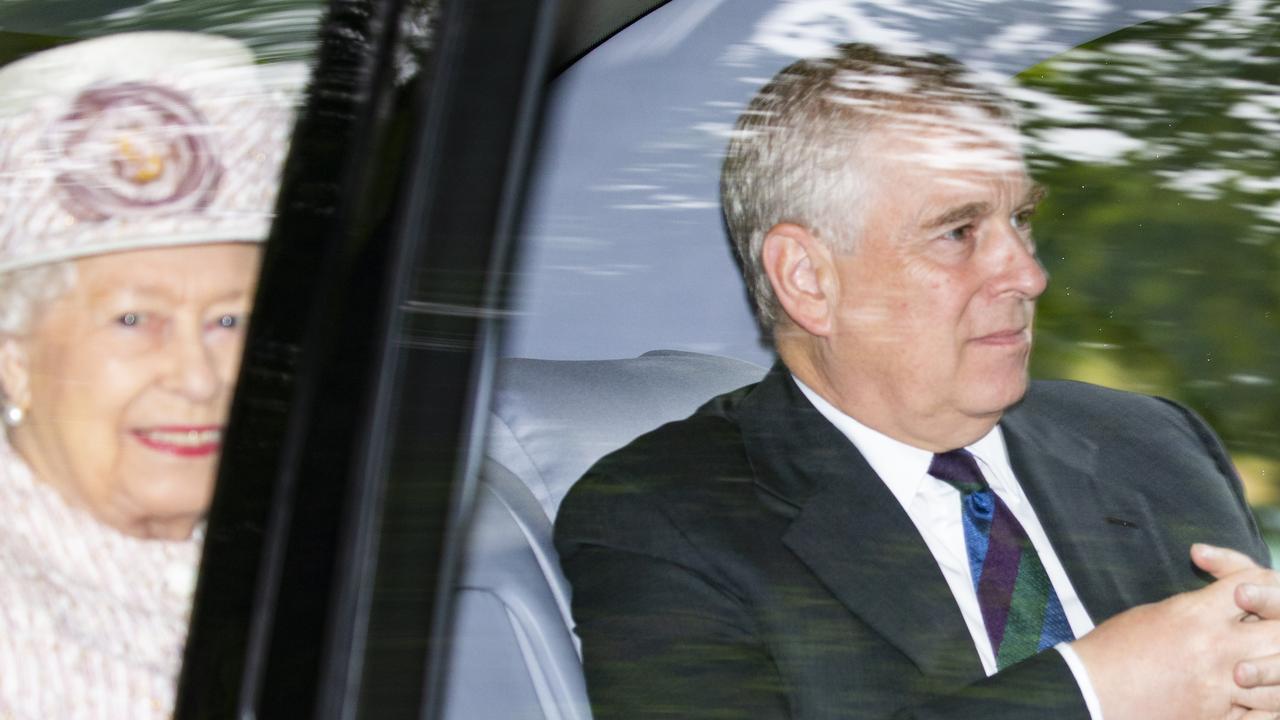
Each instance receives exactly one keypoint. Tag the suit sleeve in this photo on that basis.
(663, 638)
(659, 641)
(660, 637)
(1214, 448)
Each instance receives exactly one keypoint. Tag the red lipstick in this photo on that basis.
(189, 441)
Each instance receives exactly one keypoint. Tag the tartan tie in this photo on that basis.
(1020, 607)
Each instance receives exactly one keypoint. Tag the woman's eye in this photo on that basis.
(129, 319)
(227, 321)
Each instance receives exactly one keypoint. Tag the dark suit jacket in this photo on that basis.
(746, 562)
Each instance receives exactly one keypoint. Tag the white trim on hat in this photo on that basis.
(255, 233)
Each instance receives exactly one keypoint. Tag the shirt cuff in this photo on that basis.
(1082, 679)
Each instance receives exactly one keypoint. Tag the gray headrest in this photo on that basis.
(552, 419)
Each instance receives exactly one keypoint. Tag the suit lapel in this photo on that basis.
(1099, 529)
(851, 532)
(855, 537)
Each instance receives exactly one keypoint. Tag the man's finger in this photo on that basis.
(1258, 715)
(1219, 561)
(1262, 600)
(1261, 698)
(1258, 672)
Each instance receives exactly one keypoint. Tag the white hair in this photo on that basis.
(27, 291)
(796, 154)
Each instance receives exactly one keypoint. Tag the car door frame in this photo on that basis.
(350, 456)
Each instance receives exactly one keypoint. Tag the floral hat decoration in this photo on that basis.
(139, 140)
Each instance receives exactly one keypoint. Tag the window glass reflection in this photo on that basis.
(1159, 143)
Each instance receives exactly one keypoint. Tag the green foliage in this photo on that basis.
(1159, 145)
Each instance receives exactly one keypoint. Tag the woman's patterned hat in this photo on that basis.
(139, 140)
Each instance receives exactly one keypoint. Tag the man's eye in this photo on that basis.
(1022, 218)
(960, 234)
(130, 319)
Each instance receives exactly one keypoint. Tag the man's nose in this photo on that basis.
(192, 372)
(1018, 268)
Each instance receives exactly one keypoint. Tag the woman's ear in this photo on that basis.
(801, 271)
(15, 372)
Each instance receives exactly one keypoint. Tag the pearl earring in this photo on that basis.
(13, 415)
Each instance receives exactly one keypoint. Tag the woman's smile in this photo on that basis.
(181, 440)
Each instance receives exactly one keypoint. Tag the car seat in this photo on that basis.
(513, 653)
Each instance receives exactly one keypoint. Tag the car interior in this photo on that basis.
(512, 649)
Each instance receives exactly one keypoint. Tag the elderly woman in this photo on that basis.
(137, 179)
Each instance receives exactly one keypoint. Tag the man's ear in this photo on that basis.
(801, 271)
(15, 372)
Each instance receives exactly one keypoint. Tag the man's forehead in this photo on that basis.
(938, 145)
(977, 150)
(941, 171)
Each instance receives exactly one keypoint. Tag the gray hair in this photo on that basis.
(795, 155)
(27, 291)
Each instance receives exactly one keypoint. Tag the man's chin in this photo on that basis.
(998, 397)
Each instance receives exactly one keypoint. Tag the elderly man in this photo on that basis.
(895, 522)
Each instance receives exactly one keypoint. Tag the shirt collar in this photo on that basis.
(903, 467)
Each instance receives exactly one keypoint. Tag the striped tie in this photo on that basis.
(1020, 608)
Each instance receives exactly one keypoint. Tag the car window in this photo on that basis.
(624, 230)
(1160, 229)
(1158, 232)
(1151, 122)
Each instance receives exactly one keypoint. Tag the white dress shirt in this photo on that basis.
(934, 506)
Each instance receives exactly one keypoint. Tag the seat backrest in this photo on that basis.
(514, 654)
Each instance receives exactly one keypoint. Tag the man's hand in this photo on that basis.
(1259, 601)
(1190, 657)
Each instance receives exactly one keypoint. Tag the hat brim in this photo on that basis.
(250, 233)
